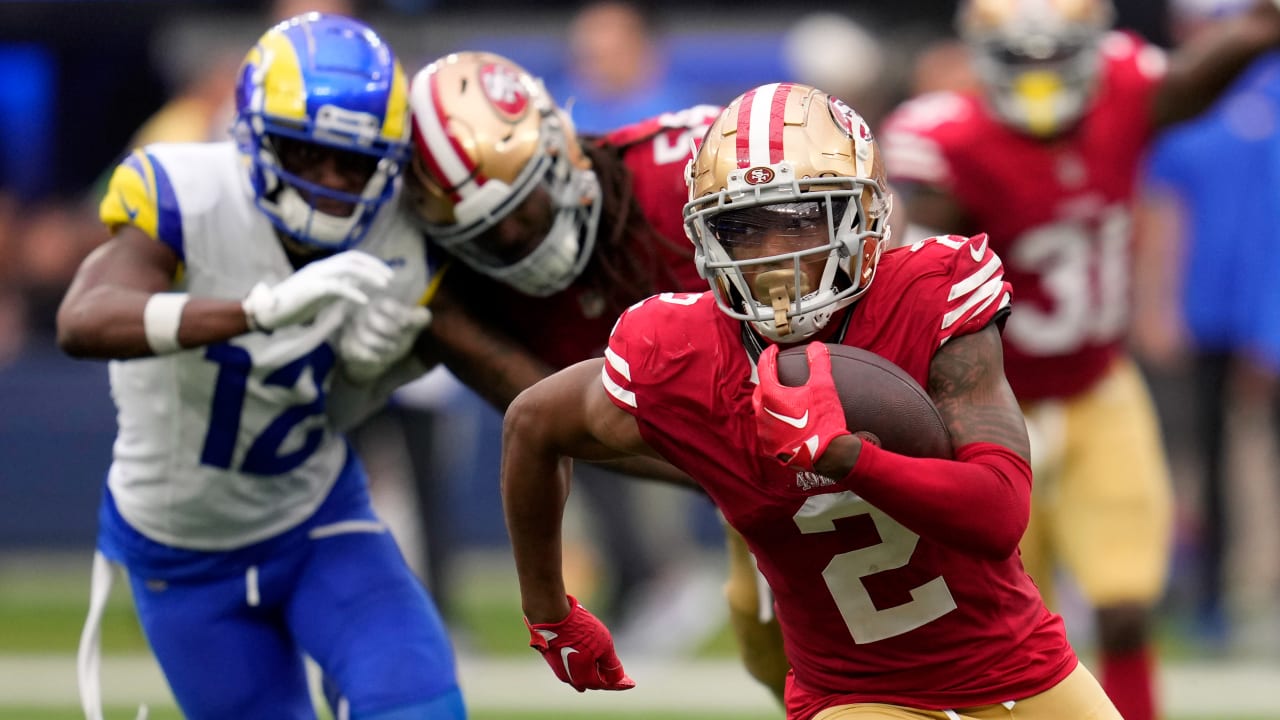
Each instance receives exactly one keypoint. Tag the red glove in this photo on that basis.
(796, 424)
(580, 652)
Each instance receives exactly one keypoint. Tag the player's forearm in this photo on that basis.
(535, 485)
(1202, 69)
(481, 355)
(111, 322)
(979, 502)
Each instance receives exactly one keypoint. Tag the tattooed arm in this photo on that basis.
(967, 383)
(979, 502)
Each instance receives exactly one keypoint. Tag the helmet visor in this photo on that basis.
(777, 254)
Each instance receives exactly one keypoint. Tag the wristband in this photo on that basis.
(161, 319)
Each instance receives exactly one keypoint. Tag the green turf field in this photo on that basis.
(170, 714)
(43, 601)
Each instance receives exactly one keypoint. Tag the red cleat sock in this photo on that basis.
(1129, 679)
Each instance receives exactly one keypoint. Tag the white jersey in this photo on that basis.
(228, 444)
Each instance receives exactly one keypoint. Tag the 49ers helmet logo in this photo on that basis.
(849, 120)
(758, 175)
(503, 88)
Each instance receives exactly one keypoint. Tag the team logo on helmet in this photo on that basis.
(758, 176)
(849, 120)
(503, 88)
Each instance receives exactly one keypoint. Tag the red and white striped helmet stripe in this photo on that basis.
(760, 123)
(440, 152)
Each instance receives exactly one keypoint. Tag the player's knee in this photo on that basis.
(1123, 627)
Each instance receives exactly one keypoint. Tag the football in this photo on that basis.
(879, 398)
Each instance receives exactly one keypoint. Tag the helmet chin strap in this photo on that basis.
(320, 228)
(779, 287)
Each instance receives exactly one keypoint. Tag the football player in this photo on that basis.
(242, 283)
(556, 234)
(1044, 159)
(897, 580)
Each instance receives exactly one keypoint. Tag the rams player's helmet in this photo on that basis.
(1039, 60)
(322, 89)
(788, 209)
(497, 177)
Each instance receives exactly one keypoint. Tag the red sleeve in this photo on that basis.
(980, 502)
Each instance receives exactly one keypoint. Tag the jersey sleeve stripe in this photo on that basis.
(977, 279)
(619, 393)
(618, 363)
(977, 302)
(141, 195)
(169, 225)
(910, 157)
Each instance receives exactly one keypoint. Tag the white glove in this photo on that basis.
(301, 296)
(381, 333)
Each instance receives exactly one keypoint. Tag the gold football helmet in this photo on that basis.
(1039, 59)
(498, 178)
(788, 209)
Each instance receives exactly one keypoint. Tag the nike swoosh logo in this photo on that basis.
(795, 422)
(130, 211)
(565, 652)
(977, 252)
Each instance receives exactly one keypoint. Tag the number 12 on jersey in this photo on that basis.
(264, 456)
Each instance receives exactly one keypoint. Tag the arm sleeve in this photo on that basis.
(980, 502)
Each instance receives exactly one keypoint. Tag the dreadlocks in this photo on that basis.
(626, 258)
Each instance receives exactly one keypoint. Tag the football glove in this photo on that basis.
(796, 424)
(580, 651)
(381, 333)
(301, 296)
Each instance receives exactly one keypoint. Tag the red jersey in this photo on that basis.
(574, 324)
(870, 611)
(1057, 211)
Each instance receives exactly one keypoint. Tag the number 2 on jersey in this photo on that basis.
(845, 572)
(264, 456)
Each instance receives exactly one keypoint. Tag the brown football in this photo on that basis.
(879, 398)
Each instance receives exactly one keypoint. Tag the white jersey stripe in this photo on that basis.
(967, 285)
(618, 363)
(977, 302)
(443, 153)
(914, 158)
(621, 394)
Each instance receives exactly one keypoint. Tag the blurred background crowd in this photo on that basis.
(83, 82)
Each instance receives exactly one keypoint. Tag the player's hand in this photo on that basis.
(580, 651)
(796, 424)
(301, 296)
(379, 335)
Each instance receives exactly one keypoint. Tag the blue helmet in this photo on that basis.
(328, 81)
